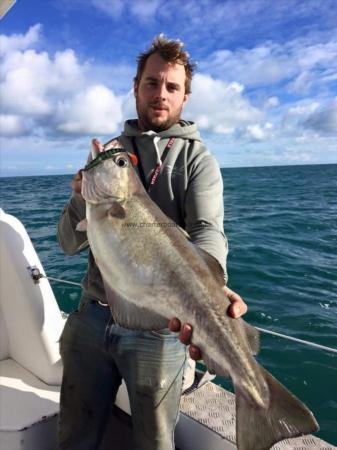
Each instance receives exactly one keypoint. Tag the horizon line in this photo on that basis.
(231, 167)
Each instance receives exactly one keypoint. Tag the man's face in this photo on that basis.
(160, 94)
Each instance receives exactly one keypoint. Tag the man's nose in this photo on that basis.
(161, 91)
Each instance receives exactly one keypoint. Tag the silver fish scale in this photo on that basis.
(214, 407)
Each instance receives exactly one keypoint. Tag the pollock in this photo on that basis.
(152, 273)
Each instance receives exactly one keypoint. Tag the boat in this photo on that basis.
(31, 369)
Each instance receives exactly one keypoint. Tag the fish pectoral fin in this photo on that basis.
(286, 417)
(184, 233)
(253, 337)
(136, 315)
(117, 211)
(213, 266)
(82, 225)
(214, 368)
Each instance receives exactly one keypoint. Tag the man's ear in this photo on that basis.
(135, 89)
(186, 97)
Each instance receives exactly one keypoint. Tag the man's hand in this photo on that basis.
(76, 182)
(236, 309)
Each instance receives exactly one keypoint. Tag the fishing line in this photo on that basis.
(62, 281)
(301, 341)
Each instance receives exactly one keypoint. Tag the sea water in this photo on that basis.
(281, 224)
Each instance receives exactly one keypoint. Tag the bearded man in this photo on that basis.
(183, 178)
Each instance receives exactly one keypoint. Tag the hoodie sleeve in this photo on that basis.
(204, 211)
(70, 240)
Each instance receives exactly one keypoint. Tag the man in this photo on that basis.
(185, 181)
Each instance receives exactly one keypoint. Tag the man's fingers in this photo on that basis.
(238, 307)
(234, 311)
(174, 325)
(185, 334)
(195, 353)
(185, 330)
(76, 182)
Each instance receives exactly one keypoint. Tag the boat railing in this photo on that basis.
(37, 275)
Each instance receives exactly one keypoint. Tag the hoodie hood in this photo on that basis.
(182, 129)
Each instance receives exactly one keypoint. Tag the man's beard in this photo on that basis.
(146, 123)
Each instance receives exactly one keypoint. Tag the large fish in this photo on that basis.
(152, 273)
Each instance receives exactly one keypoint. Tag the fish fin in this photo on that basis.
(213, 265)
(286, 417)
(184, 232)
(214, 368)
(132, 315)
(96, 148)
(117, 211)
(253, 337)
(82, 225)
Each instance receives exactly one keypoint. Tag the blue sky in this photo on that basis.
(264, 93)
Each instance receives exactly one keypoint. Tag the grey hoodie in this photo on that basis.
(189, 190)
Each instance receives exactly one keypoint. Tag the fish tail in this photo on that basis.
(260, 428)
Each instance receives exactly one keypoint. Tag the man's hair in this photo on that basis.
(172, 52)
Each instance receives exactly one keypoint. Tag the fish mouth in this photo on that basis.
(97, 196)
(104, 200)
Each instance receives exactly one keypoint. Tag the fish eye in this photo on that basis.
(122, 161)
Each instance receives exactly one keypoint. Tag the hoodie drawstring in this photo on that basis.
(157, 169)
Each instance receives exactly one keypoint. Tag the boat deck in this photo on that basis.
(210, 413)
(214, 407)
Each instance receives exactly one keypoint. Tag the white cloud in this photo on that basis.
(323, 119)
(220, 107)
(20, 41)
(53, 93)
(129, 105)
(253, 67)
(298, 63)
(303, 109)
(259, 132)
(31, 80)
(143, 10)
(272, 102)
(114, 8)
(23, 89)
(293, 116)
(94, 111)
(56, 101)
(12, 125)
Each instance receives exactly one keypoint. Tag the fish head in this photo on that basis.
(109, 176)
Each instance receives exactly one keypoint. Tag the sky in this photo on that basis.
(264, 91)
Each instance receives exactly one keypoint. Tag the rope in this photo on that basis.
(263, 330)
